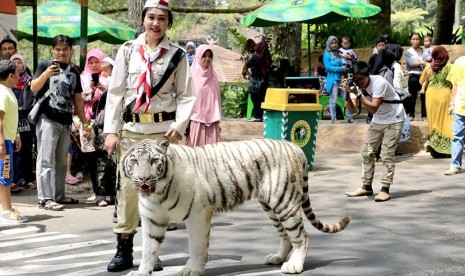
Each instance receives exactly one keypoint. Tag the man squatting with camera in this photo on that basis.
(385, 128)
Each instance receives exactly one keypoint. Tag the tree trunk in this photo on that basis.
(286, 42)
(382, 21)
(135, 8)
(444, 22)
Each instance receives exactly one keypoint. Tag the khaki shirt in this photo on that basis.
(177, 94)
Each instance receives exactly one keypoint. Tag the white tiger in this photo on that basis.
(183, 184)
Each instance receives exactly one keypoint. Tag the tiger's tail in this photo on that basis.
(308, 211)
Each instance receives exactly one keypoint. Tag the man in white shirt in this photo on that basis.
(380, 98)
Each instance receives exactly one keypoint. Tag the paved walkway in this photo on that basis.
(420, 231)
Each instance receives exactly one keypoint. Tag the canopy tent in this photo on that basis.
(309, 12)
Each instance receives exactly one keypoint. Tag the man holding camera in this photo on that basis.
(374, 92)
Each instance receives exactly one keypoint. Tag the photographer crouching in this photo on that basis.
(385, 128)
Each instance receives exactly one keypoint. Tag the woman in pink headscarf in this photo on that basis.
(204, 127)
(93, 85)
(91, 90)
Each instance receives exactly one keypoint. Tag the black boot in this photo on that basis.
(123, 257)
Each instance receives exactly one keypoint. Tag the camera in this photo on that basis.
(351, 81)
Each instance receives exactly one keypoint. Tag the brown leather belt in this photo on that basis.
(148, 118)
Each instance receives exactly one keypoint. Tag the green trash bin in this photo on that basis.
(292, 114)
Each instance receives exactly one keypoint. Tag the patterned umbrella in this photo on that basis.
(308, 11)
(64, 17)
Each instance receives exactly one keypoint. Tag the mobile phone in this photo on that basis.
(95, 78)
(56, 63)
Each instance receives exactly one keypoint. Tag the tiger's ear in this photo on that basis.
(163, 142)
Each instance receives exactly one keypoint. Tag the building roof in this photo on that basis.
(228, 65)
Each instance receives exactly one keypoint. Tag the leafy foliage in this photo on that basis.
(234, 99)
(363, 36)
(408, 17)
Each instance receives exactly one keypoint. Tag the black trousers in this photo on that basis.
(258, 98)
(413, 87)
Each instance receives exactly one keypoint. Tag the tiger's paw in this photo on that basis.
(274, 259)
(187, 271)
(291, 268)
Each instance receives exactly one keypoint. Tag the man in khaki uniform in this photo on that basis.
(166, 113)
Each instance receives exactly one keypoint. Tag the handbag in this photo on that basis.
(254, 85)
(34, 114)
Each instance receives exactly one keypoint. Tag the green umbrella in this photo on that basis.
(64, 17)
(308, 11)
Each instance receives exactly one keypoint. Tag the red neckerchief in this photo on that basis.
(145, 80)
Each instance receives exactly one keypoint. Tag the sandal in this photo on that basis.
(31, 185)
(51, 205)
(15, 188)
(68, 200)
(71, 180)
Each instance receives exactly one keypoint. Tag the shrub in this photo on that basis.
(234, 99)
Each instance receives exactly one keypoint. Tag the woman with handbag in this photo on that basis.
(256, 70)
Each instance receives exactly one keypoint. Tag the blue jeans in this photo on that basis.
(335, 92)
(458, 130)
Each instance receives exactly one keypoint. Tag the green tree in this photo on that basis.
(408, 18)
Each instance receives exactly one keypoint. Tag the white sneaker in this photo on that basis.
(12, 217)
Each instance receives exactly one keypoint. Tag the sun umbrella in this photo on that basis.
(64, 17)
(308, 11)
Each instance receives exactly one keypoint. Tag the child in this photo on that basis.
(107, 68)
(347, 54)
(427, 49)
(8, 136)
(320, 71)
(191, 51)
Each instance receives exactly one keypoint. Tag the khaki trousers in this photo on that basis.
(388, 136)
(127, 211)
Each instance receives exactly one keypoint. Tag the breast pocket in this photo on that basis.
(134, 73)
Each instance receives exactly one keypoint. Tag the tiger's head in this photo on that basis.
(145, 163)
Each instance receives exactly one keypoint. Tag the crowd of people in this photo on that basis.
(378, 85)
(154, 88)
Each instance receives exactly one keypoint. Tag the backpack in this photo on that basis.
(403, 96)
